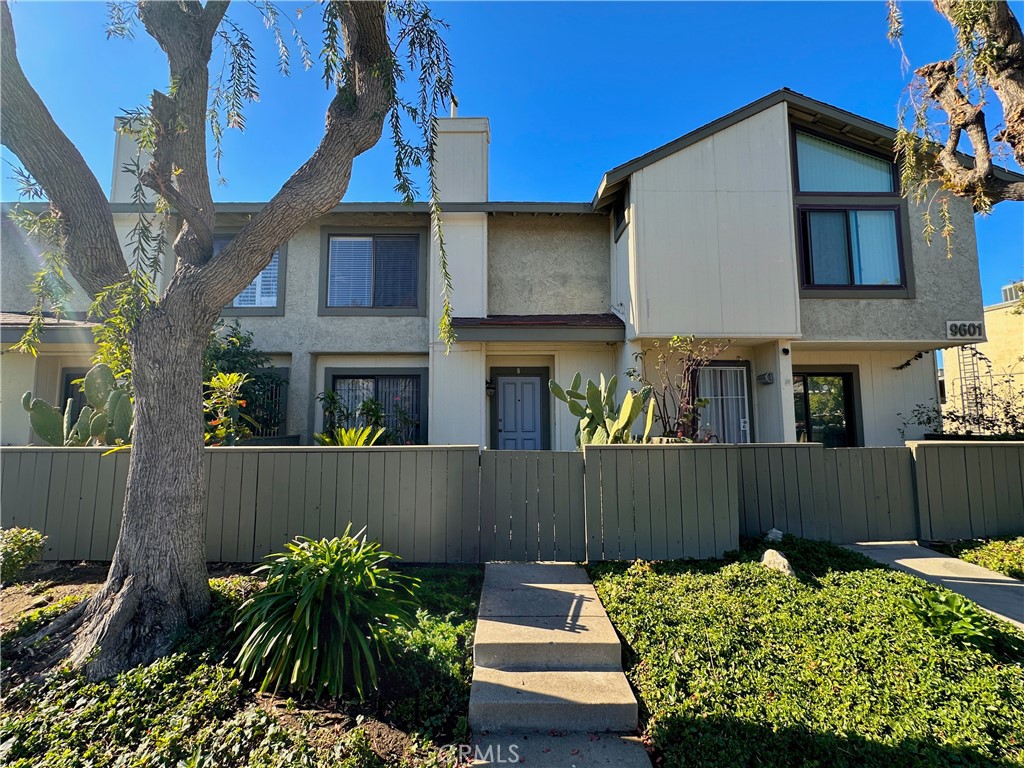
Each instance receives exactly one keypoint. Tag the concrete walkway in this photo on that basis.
(1000, 595)
(548, 687)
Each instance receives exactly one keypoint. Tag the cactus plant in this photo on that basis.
(603, 421)
(106, 420)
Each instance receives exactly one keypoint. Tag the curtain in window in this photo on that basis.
(824, 166)
(830, 261)
(350, 272)
(876, 260)
(395, 270)
(724, 419)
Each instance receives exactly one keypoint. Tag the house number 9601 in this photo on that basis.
(964, 329)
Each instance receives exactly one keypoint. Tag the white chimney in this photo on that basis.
(460, 159)
(126, 150)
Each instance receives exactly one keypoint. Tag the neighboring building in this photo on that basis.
(978, 377)
(779, 226)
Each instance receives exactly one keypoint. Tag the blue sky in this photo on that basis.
(571, 89)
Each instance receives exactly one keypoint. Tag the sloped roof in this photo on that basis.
(851, 124)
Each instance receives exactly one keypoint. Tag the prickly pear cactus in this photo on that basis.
(106, 420)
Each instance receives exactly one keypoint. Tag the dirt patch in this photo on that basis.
(324, 725)
(46, 583)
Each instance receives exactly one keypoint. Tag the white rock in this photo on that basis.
(774, 535)
(777, 561)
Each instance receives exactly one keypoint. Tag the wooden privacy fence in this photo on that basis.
(457, 504)
(969, 490)
(661, 502)
(838, 494)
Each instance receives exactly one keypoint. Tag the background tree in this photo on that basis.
(157, 583)
(948, 100)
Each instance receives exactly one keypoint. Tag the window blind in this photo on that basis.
(824, 166)
(350, 272)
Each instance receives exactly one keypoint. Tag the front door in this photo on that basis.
(520, 416)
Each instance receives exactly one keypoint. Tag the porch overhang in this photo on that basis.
(606, 328)
(55, 331)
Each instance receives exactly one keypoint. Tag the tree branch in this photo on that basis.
(185, 31)
(355, 120)
(1000, 62)
(91, 245)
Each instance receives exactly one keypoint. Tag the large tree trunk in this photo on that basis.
(157, 584)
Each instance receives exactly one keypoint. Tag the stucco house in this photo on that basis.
(779, 227)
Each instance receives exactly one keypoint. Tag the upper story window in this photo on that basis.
(264, 294)
(376, 273)
(824, 166)
(849, 213)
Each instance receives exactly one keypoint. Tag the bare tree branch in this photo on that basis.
(91, 246)
(355, 120)
(1001, 63)
(185, 32)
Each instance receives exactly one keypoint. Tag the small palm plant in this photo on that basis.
(350, 437)
(325, 617)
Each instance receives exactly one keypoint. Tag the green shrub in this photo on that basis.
(325, 617)
(19, 547)
(1003, 555)
(947, 614)
(737, 665)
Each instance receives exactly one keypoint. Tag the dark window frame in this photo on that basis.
(327, 232)
(849, 201)
(282, 271)
(545, 402)
(330, 374)
(806, 260)
(852, 397)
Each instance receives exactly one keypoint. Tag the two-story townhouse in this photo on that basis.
(779, 227)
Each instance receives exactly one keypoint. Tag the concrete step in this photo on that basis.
(564, 601)
(583, 643)
(564, 750)
(595, 701)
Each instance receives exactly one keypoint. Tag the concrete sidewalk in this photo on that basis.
(1000, 595)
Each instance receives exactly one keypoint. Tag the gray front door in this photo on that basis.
(520, 426)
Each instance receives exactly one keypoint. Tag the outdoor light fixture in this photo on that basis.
(489, 388)
(766, 378)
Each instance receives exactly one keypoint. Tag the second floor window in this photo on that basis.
(263, 290)
(373, 271)
(849, 208)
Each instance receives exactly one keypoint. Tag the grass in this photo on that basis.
(738, 665)
(190, 710)
(1004, 555)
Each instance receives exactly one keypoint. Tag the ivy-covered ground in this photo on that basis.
(190, 710)
(1005, 555)
(738, 665)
